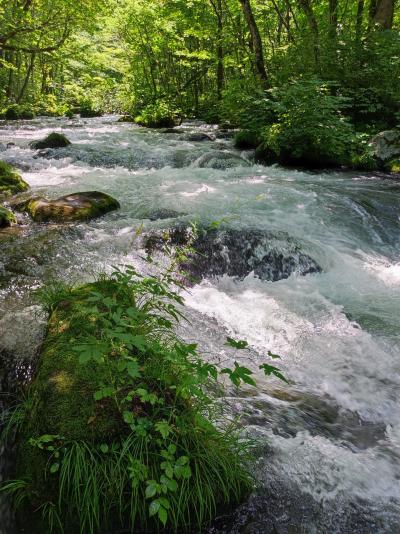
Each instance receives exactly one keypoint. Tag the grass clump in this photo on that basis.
(118, 430)
(10, 181)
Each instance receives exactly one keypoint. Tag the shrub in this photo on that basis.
(88, 110)
(17, 112)
(247, 139)
(158, 115)
(311, 129)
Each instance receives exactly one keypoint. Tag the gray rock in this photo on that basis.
(386, 145)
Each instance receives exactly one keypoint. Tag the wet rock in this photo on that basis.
(200, 136)
(163, 213)
(173, 131)
(11, 182)
(3, 147)
(386, 145)
(7, 218)
(237, 253)
(74, 207)
(53, 140)
(220, 160)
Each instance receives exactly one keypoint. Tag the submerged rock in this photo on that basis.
(10, 181)
(162, 213)
(220, 160)
(53, 140)
(237, 253)
(200, 136)
(74, 207)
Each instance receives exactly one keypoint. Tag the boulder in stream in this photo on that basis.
(53, 140)
(237, 253)
(73, 207)
(11, 182)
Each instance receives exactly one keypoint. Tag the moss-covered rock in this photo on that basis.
(7, 218)
(53, 140)
(14, 113)
(109, 428)
(74, 207)
(247, 139)
(11, 182)
(126, 118)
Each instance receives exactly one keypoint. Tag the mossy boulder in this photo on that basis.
(246, 139)
(11, 182)
(14, 113)
(99, 442)
(53, 140)
(69, 208)
(7, 218)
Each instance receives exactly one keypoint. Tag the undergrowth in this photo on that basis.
(118, 429)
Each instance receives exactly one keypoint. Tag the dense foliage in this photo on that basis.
(215, 59)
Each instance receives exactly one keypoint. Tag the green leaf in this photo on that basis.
(273, 356)
(271, 370)
(163, 515)
(240, 345)
(151, 489)
(154, 508)
(133, 369)
(128, 417)
(54, 467)
(163, 428)
(104, 448)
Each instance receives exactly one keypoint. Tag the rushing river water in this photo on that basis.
(330, 441)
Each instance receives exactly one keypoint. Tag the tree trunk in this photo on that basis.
(359, 20)
(312, 22)
(256, 42)
(29, 71)
(381, 13)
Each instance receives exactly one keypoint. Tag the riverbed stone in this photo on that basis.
(53, 140)
(73, 207)
(11, 182)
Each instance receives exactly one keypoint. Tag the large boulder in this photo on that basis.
(237, 253)
(53, 140)
(10, 181)
(7, 218)
(74, 207)
(386, 146)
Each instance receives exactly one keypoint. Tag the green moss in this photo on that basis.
(10, 181)
(7, 218)
(246, 139)
(98, 469)
(75, 207)
(53, 140)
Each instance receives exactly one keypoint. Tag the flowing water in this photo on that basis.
(329, 458)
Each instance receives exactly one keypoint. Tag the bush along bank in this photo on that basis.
(117, 429)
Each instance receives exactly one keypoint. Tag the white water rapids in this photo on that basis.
(330, 458)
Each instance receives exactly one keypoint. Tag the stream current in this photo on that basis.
(329, 455)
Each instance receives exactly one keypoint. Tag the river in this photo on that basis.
(329, 455)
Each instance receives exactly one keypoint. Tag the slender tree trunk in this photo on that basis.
(29, 71)
(255, 41)
(359, 20)
(312, 22)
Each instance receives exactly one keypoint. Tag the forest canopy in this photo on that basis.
(253, 64)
